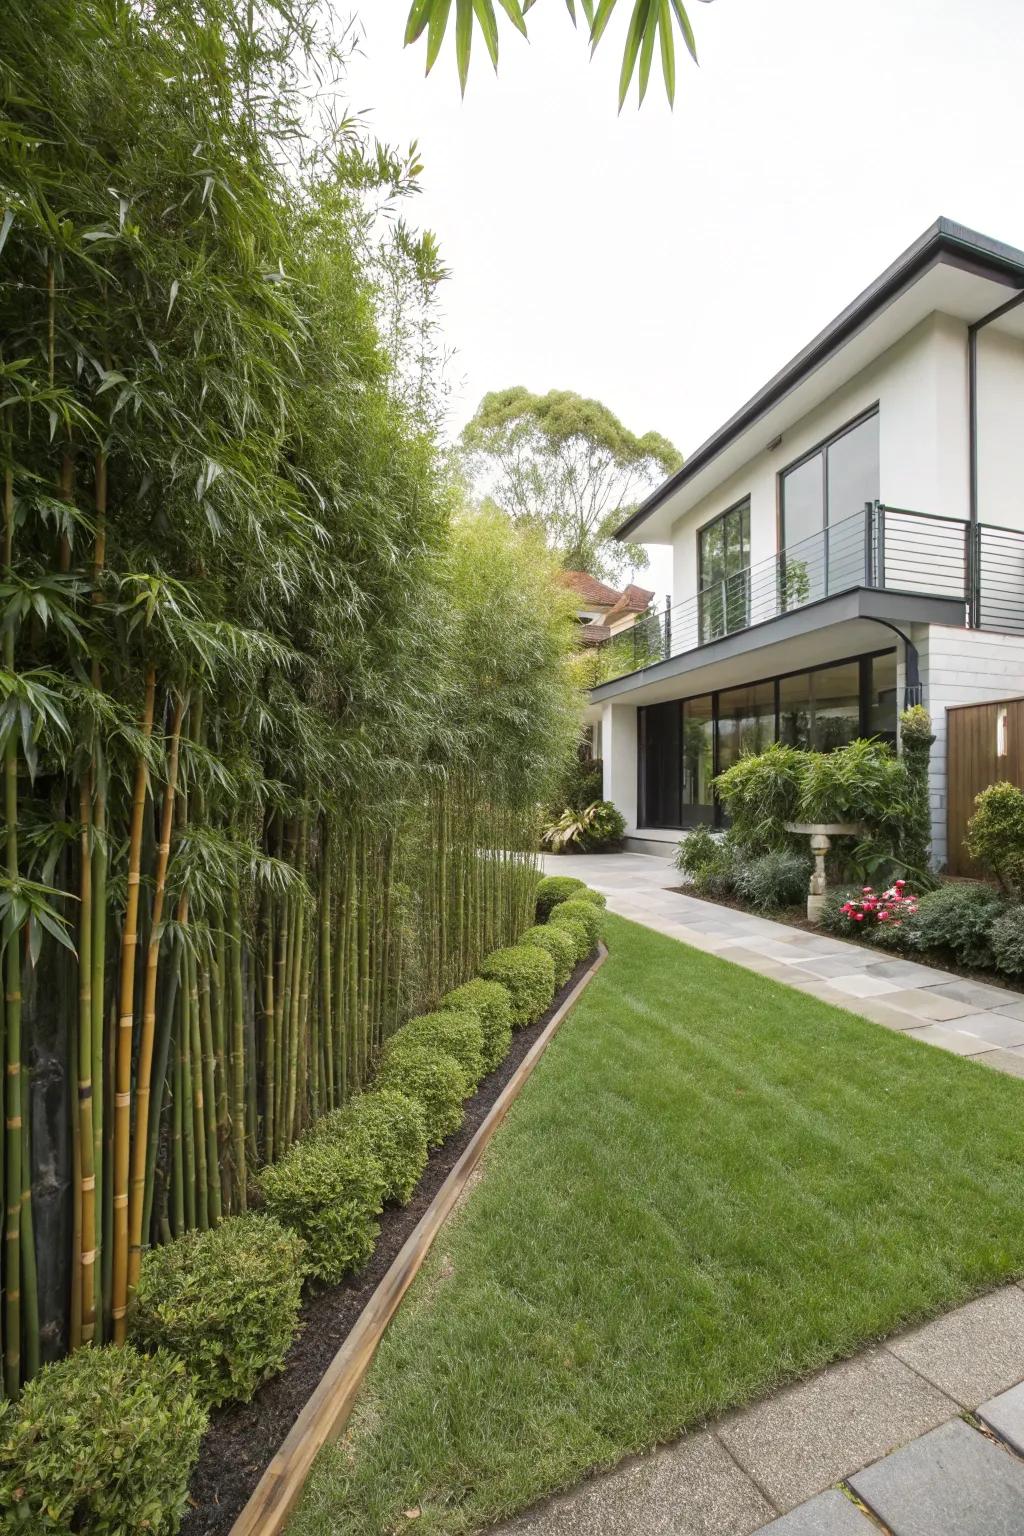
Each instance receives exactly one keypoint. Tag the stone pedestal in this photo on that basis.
(821, 835)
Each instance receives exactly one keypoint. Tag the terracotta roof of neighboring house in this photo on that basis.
(593, 634)
(633, 600)
(590, 589)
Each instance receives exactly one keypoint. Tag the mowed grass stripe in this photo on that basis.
(712, 1183)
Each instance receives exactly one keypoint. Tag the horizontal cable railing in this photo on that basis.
(893, 549)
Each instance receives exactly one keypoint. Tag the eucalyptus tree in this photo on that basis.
(568, 466)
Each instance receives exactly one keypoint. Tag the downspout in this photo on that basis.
(973, 549)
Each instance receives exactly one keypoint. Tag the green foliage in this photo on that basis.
(104, 1443)
(567, 466)
(648, 27)
(389, 1126)
(579, 786)
(995, 835)
(492, 1005)
(226, 1301)
(452, 1033)
(761, 793)
(598, 826)
(776, 879)
(560, 946)
(555, 888)
(529, 975)
(435, 1080)
(1007, 940)
(697, 850)
(959, 918)
(586, 914)
(831, 917)
(329, 1192)
(597, 898)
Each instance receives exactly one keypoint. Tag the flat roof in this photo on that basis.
(944, 242)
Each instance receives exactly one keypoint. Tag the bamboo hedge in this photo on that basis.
(275, 717)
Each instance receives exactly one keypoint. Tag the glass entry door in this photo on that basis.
(698, 728)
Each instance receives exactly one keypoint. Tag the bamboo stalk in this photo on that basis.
(85, 1135)
(12, 1019)
(237, 1048)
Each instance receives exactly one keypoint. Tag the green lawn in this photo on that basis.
(711, 1183)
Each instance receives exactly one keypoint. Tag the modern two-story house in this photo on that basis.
(850, 541)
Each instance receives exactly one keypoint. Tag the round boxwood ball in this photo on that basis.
(529, 975)
(392, 1127)
(553, 889)
(458, 1033)
(560, 945)
(492, 1005)
(584, 913)
(433, 1078)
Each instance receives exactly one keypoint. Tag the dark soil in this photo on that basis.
(796, 917)
(243, 1437)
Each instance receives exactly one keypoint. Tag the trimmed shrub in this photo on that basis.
(529, 975)
(589, 894)
(697, 850)
(579, 934)
(392, 1128)
(560, 945)
(555, 888)
(102, 1442)
(1007, 939)
(331, 1193)
(433, 1078)
(583, 912)
(776, 879)
(959, 918)
(453, 1033)
(995, 835)
(492, 1004)
(226, 1301)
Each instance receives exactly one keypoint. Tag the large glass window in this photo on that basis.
(881, 711)
(698, 760)
(822, 495)
(723, 549)
(746, 722)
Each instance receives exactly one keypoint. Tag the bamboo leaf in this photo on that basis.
(5, 228)
(173, 296)
(463, 38)
(489, 27)
(668, 52)
(633, 39)
(516, 13)
(419, 15)
(685, 28)
(435, 36)
(647, 46)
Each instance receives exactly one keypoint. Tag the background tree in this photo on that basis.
(570, 467)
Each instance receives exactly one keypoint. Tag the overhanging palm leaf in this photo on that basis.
(651, 21)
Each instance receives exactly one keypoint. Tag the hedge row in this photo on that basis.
(105, 1440)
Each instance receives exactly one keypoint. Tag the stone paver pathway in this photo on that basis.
(967, 1017)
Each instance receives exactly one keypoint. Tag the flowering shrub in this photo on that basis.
(872, 909)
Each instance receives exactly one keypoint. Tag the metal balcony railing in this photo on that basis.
(886, 548)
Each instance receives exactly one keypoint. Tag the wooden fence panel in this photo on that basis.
(984, 744)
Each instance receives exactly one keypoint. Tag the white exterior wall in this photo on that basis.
(619, 756)
(920, 387)
(1000, 428)
(961, 666)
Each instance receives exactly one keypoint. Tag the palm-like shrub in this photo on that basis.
(529, 975)
(392, 1128)
(597, 826)
(104, 1442)
(584, 913)
(553, 889)
(560, 945)
(492, 1004)
(453, 1033)
(331, 1193)
(434, 1079)
(226, 1301)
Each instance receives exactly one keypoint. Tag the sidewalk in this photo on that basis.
(969, 1018)
(921, 1436)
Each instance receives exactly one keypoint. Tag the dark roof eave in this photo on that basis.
(944, 240)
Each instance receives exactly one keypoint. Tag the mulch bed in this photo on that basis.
(243, 1437)
(795, 917)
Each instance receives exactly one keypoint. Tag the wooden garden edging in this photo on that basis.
(326, 1412)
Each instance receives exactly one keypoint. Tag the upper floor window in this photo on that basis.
(820, 497)
(723, 557)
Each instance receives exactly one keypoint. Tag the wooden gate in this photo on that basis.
(984, 744)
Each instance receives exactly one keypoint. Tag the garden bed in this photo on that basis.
(243, 1438)
(796, 917)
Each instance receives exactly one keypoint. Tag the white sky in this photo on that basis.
(668, 263)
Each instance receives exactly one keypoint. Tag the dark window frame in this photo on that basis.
(703, 586)
(822, 447)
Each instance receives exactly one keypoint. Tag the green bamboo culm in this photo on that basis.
(276, 709)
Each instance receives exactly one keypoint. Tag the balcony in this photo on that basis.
(976, 573)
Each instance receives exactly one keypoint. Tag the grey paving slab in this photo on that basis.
(829, 1514)
(808, 1436)
(907, 972)
(927, 1004)
(1009, 1061)
(691, 1489)
(972, 1353)
(884, 1010)
(865, 985)
(977, 993)
(1005, 1414)
(952, 1482)
(995, 1028)
(1011, 1010)
(837, 965)
(952, 1039)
